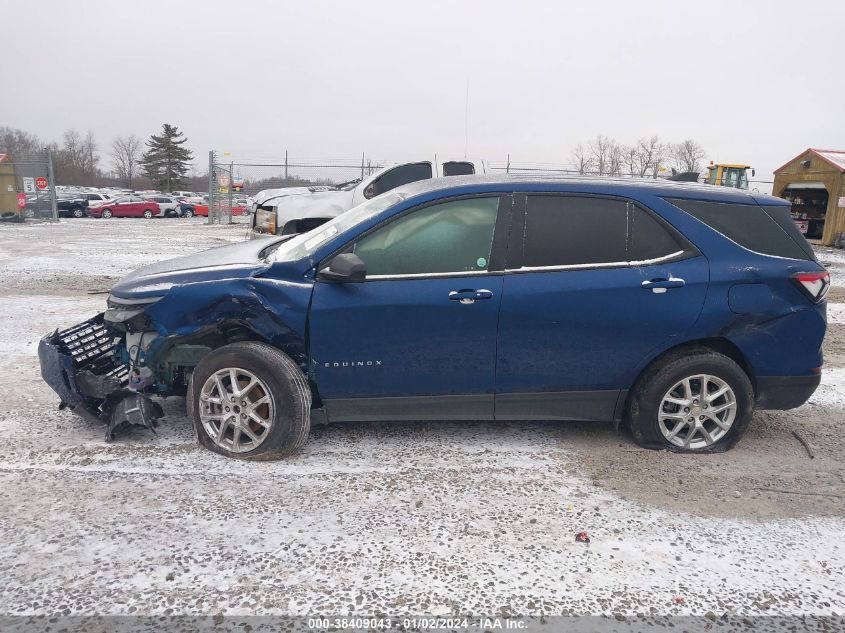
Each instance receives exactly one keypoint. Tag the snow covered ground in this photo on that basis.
(405, 518)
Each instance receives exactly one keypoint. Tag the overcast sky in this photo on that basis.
(752, 81)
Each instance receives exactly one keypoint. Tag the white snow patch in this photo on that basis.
(831, 392)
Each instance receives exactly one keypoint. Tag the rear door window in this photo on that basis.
(650, 239)
(574, 230)
(751, 226)
(398, 176)
(458, 168)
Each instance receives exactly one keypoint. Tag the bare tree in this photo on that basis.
(648, 156)
(616, 158)
(126, 154)
(600, 150)
(18, 143)
(581, 159)
(89, 155)
(687, 155)
(630, 158)
(72, 151)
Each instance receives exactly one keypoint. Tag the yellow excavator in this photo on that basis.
(729, 175)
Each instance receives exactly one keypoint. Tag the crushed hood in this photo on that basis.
(224, 262)
(321, 204)
(267, 194)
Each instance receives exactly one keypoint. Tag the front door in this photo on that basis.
(417, 339)
(599, 285)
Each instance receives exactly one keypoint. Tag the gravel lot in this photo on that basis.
(409, 518)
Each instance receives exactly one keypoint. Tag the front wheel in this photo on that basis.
(29, 213)
(694, 401)
(148, 214)
(188, 213)
(77, 212)
(106, 213)
(250, 401)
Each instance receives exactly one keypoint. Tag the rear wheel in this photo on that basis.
(29, 213)
(188, 213)
(106, 213)
(250, 401)
(77, 212)
(694, 401)
(148, 214)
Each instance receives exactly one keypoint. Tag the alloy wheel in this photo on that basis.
(236, 409)
(697, 411)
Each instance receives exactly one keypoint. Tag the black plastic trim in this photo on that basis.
(785, 392)
(459, 407)
(558, 405)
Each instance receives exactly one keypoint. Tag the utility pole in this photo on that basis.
(362, 165)
(286, 166)
(231, 180)
(210, 187)
(51, 179)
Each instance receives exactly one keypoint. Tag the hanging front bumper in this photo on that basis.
(86, 369)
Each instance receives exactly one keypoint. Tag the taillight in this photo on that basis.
(815, 285)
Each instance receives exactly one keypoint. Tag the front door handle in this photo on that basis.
(467, 296)
(661, 285)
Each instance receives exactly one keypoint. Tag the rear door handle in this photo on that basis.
(659, 286)
(467, 296)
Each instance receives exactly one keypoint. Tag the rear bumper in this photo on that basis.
(785, 392)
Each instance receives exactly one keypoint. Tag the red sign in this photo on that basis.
(21, 200)
(41, 182)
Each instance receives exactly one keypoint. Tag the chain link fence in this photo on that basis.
(27, 188)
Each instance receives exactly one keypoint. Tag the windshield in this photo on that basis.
(305, 244)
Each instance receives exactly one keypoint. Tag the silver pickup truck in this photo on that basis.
(300, 209)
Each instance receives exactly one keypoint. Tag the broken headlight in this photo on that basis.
(123, 310)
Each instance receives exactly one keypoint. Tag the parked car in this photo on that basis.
(186, 209)
(125, 207)
(202, 210)
(674, 308)
(95, 197)
(184, 194)
(68, 205)
(300, 209)
(168, 206)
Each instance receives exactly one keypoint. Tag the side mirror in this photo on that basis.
(370, 191)
(753, 173)
(343, 268)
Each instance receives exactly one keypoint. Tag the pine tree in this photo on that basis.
(166, 162)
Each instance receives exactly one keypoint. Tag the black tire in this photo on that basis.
(77, 212)
(29, 213)
(647, 395)
(148, 214)
(188, 213)
(106, 213)
(288, 389)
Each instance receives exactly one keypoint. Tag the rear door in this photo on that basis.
(135, 208)
(595, 286)
(392, 178)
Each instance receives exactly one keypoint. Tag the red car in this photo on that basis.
(202, 209)
(124, 207)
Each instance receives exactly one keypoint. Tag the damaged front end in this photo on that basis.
(89, 367)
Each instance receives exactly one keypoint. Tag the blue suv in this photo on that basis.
(673, 308)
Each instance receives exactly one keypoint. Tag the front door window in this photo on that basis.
(450, 237)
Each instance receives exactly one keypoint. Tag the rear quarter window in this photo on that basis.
(759, 229)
